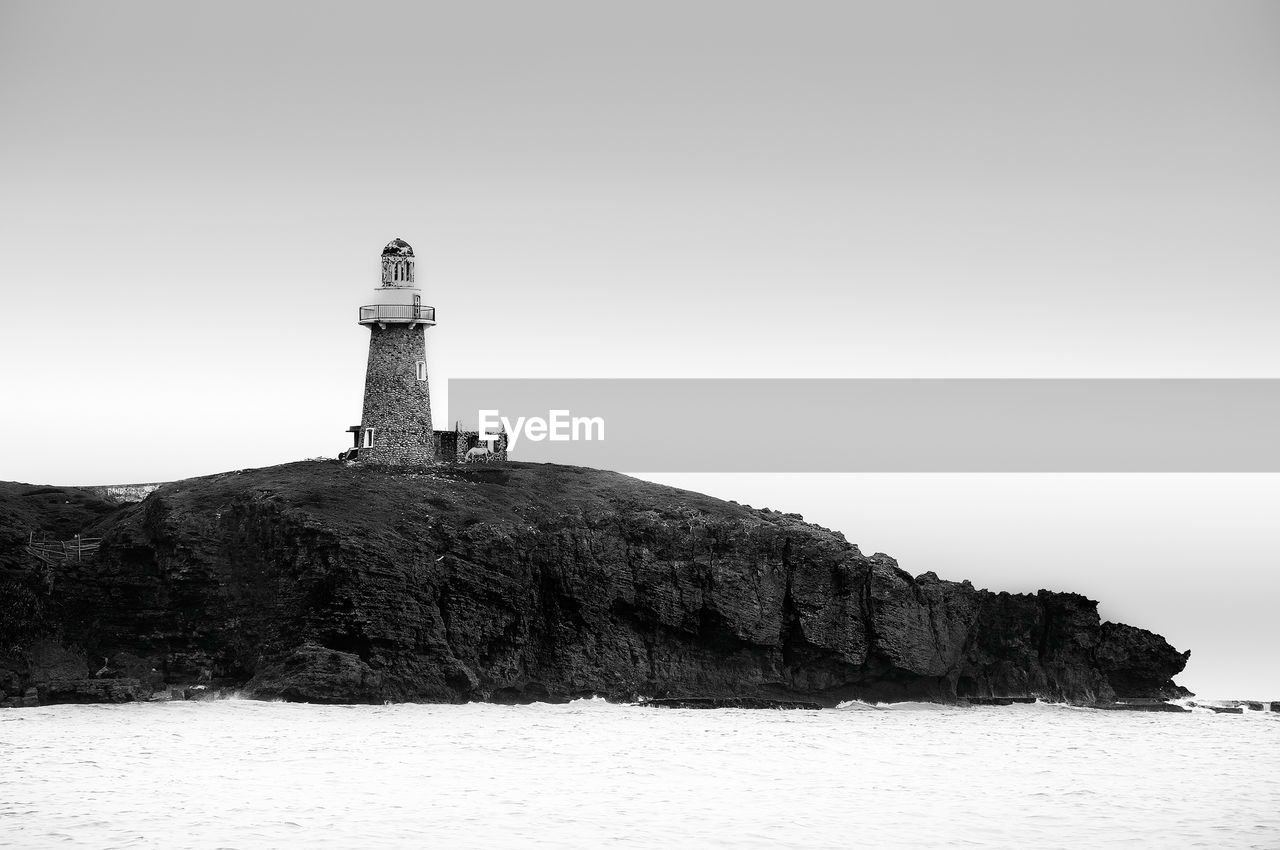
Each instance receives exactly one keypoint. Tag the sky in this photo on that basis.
(193, 199)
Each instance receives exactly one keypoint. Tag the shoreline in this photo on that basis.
(204, 694)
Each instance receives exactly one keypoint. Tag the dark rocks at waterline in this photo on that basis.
(322, 582)
(314, 673)
(1143, 705)
(1234, 706)
(63, 691)
(730, 702)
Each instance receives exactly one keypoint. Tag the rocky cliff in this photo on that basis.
(325, 582)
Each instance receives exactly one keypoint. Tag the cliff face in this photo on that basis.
(322, 582)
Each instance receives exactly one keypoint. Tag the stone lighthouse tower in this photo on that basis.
(395, 427)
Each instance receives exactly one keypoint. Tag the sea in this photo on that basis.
(238, 773)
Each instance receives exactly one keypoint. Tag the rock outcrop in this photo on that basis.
(325, 582)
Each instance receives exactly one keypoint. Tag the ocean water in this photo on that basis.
(245, 774)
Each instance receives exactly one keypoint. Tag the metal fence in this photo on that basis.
(397, 313)
(59, 551)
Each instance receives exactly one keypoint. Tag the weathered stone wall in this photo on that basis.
(396, 403)
(124, 493)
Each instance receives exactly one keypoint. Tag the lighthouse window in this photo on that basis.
(422, 370)
(368, 437)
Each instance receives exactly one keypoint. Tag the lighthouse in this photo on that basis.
(395, 425)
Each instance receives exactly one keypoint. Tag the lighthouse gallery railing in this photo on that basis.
(396, 313)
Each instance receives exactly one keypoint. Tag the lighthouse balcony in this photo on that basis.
(397, 314)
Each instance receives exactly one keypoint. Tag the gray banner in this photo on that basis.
(886, 425)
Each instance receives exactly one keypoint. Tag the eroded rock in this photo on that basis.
(332, 583)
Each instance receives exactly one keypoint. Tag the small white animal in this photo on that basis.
(481, 454)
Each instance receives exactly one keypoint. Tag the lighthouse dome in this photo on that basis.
(398, 248)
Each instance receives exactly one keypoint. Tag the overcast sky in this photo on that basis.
(193, 199)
